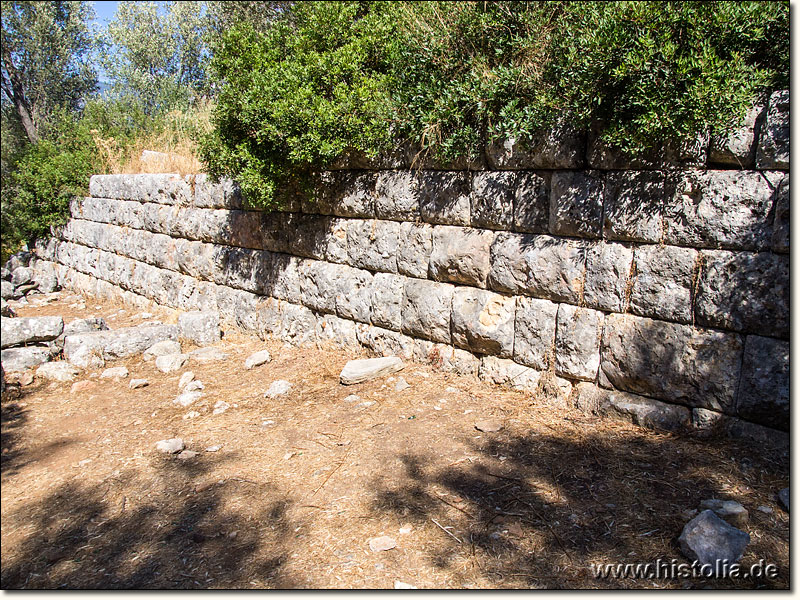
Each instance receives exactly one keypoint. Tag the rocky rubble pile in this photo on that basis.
(24, 273)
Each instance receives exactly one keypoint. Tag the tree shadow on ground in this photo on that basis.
(173, 534)
(538, 510)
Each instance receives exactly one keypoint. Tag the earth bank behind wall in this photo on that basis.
(655, 290)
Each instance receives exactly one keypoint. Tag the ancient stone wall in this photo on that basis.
(655, 290)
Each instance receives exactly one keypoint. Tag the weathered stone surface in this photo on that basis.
(315, 236)
(744, 292)
(202, 328)
(483, 322)
(634, 205)
(5, 309)
(20, 359)
(164, 348)
(343, 194)
(208, 354)
(534, 332)
(738, 148)
(373, 245)
(780, 227)
(387, 300)
(642, 411)
(354, 294)
(358, 371)
(342, 332)
(44, 276)
(319, 285)
(58, 371)
(257, 359)
(285, 278)
(710, 540)
(671, 362)
(532, 202)
(764, 387)
(773, 146)
(278, 388)
(113, 372)
(577, 346)
(171, 446)
(445, 198)
(171, 362)
(164, 188)
(662, 285)
(426, 310)
(136, 384)
(28, 330)
(386, 343)
(721, 209)
(502, 371)
(188, 398)
(117, 343)
(686, 153)
(397, 196)
(560, 147)
(223, 194)
(21, 275)
(7, 290)
(460, 255)
(493, 199)
(608, 276)
(540, 266)
(729, 510)
(576, 203)
(415, 242)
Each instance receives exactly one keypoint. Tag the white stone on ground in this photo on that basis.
(257, 359)
(194, 386)
(278, 388)
(163, 348)
(185, 379)
(58, 371)
(170, 446)
(358, 371)
(188, 398)
(220, 407)
(135, 384)
(113, 372)
(171, 362)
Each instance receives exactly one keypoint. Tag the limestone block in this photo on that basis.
(164, 188)
(426, 310)
(721, 209)
(662, 286)
(319, 285)
(354, 294)
(501, 371)
(343, 194)
(397, 196)
(534, 332)
(460, 255)
(387, 300)
(674, 363)
(744, 292)
(773, 145)
(445, 197)
(559, 147)
(532, 202)
(576, 203)
(222, 194)
(15, 360)
(738, 148)
(483, 322)
(608, 276)
(780, 227)
(285, 278)
(764, 388)
(414, 244)
(493, 195)
(202, 328)
(577, 347)
(28, 330)
(642, 411)
(373, 244)
(634, 205)
(341, 332)
(117, 343)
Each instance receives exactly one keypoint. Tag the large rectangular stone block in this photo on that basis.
(445, 197)
(721, 209)
(460, 255)
(738, 148)
(222, 194)
(539, 266)
(501, 371)
(319, 285)
(332, 329)
(576, 203)
(744, 292)
(608, 276)
(634, 205)
(642, 411)
(414, 244)
(387, 300)
(342, 194)
(773, 145)
(558, 147)
(764, 387)
(164, 188)
(373, 244)
(663, 283)
(532, 202)
(426, 310)
(319, 237)
(354, 294)
(493, 195)
(483, 322)
(285, 278)
(675, 363)
(397, 196)
(577, 347)
(534, 332)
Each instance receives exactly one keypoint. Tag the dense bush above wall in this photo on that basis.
(333, 80)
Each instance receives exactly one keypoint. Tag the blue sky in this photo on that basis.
(105, 11)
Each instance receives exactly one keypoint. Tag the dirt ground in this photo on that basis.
(301, 484)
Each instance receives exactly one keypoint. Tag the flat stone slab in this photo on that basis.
(709, 539)
(20, 359)
(15, 331)
(58, 371)
(257, 359)
(359, 371)
(730, 510)
(116, 343)
(171, 362)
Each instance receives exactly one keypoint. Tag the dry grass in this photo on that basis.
(175, 139)
(301, 484)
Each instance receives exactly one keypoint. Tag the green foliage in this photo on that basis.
(157, 56)
(329, 77)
